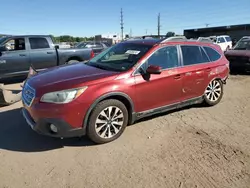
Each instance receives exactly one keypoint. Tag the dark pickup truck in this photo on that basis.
(18, 53)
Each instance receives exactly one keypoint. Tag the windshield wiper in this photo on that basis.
(97, 66)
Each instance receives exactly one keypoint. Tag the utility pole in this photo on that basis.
(130, 33)
(122, 24)
(159, 25)
(207, 24)
(146, 31)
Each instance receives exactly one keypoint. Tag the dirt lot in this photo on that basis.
(196, 147)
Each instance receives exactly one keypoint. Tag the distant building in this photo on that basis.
(234, 31)
(116, 37)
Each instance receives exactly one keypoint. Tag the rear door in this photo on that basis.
(194, 71)
(14, 61)
(158, 90)
(42, 53)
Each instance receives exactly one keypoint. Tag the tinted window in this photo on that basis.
(221, 40)
(38, 43)
(193, 55)
(228, 39)
(165, 57)
(213, 54)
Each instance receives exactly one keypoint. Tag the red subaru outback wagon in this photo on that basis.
(126, 82)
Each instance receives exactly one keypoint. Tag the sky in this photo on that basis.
(92, 17)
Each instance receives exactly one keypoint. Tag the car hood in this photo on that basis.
(238, 53)
(69, 76)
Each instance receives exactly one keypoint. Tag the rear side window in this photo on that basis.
(212, 54)
(228, 39)
(38, 43)
(193, 55)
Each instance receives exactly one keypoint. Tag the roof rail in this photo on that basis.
(204, 39)
(175, 38)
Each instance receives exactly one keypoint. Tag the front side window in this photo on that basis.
(38, 43)
(15, 44)
(166, 58)
(221, 40)
(120, 57)
(193, 55)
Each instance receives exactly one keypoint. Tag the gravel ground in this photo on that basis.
(195, 147)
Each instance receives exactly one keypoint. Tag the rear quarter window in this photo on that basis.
(228, 39)
(193, 55)
(212, 54)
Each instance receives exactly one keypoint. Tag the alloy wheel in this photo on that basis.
(109, 122)
(213, 91)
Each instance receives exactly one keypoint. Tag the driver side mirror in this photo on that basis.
(154, 69)
(57, 47)
(3, 48)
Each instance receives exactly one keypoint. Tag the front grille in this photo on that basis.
(28, 94)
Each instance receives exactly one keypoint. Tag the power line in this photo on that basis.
(122, 24)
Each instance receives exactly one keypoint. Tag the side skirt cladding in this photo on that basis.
(170, 107)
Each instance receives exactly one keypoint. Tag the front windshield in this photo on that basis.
(120, 57)
(243, 45)
(2, 40)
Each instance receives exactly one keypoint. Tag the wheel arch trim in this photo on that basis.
(106, 96)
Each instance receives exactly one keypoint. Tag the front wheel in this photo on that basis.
(213, 93)
(107, 121)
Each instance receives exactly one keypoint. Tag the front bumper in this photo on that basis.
(42, 126)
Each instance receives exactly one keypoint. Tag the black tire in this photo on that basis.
(72, 61)
(207, 98)
(91, 129)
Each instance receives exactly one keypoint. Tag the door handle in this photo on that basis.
(208, 69)
(22, 55)
(49, 52)
(178, 76)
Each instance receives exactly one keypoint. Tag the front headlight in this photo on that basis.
(64, 96)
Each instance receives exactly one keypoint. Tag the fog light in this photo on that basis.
(53, 128)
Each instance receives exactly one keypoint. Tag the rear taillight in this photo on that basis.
(92, 54)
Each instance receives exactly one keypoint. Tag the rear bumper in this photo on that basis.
(42, 126)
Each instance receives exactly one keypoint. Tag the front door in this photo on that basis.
(159, 90)
(42, 55)
(194, 70)
(15, 60)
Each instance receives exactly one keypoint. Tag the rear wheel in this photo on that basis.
(107, 121)
(213, 93)
(72, 61)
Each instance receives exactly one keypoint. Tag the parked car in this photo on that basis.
(224, 41)
(239, 56)
(97, 47)
(37, 50)
(126, 82)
